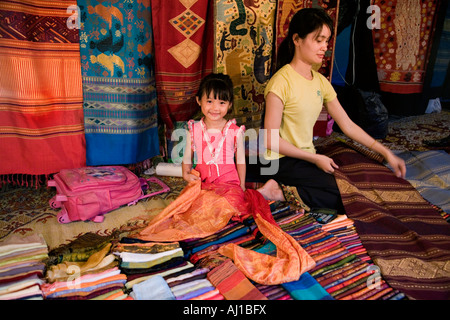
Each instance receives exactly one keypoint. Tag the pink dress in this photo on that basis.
(215, 151)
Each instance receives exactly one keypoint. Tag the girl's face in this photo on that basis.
(312, 49)
(213, 109)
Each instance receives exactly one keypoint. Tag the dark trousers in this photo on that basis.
(317, 188)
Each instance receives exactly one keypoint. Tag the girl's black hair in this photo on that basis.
(218, 83)
(303, 23)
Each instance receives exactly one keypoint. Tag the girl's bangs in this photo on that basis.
(219, 89)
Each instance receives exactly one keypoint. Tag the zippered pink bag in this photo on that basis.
(88, 193)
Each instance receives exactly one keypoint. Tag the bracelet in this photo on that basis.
(373, 143)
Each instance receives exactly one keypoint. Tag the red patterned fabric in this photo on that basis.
(183, 36)
(403, 42)
(41, 115)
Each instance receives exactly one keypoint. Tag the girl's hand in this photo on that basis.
(325, 163)
(190, 177)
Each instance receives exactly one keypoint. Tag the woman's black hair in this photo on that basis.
(218, 83)
(303, 22)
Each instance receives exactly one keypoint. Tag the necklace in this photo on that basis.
(215, 152)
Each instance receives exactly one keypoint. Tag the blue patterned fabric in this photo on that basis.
(429, 173)
(119, 94)
(306, 288)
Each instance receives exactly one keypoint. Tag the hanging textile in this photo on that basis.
(403, 42)
(406, 237)
(120, 107)
(286, 9)
(183, 55)
(41, 115)
(243, 50)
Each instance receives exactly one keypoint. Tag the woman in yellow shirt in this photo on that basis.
(294, 98)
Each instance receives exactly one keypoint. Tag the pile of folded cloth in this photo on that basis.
(159, 271)
(343, 268)
(22, 267)
(97, 278)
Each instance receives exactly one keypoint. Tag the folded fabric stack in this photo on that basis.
(143, 258)
(97, 278)
(22, 267)
(193, 285)
(273, 292)
(230, 233)
(105, 285)
(150, 265)
(343, 267)
(204, 254)
(306, 288)
(181, 282)
(344, 229)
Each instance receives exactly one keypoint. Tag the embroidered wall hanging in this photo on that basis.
(403, 42)
(243, 50)
(183, 34)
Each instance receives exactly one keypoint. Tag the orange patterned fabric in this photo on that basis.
(203, 209)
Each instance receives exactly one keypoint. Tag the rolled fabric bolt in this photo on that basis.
(169, 169)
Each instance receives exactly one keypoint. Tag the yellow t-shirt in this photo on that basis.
(303, 101)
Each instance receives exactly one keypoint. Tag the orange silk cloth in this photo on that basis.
(203, 209)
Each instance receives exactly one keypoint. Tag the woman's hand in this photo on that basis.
(397, 164)
(325, 163)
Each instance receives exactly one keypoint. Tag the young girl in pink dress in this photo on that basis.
(217, 143)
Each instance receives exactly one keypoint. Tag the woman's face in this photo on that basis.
(312, 48)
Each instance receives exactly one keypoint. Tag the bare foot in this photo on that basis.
(271, 191)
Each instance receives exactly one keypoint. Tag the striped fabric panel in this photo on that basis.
(41, 116)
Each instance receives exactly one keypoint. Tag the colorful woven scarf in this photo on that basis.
(233, 284)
